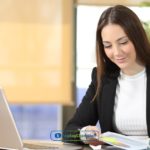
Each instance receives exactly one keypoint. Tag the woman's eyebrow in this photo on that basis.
(121, 38)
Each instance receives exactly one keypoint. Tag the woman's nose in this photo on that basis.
(116, 50)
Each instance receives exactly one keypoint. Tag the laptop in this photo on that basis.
(9, 135)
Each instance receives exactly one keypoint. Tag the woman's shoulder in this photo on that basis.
(94, 76)
(107, 77)
(148, 68)
(112, 74)
(94, 72)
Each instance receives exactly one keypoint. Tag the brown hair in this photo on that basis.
(128, 20)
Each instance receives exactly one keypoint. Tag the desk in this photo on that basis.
(52, 145)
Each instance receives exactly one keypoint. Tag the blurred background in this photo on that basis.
(47, 52)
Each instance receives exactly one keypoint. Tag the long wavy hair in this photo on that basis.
(132, 26)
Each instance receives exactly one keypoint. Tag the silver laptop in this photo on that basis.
(9, 135)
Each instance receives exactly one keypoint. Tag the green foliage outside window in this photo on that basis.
(147, 28)
(146, 24)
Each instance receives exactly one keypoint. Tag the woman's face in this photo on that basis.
(118, 47)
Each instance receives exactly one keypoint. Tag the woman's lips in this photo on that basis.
(120, 60)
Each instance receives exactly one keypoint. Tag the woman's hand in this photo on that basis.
(92, 134)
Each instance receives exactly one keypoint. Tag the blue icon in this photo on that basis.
(56, 135)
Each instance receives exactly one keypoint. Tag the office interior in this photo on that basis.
(47, 52)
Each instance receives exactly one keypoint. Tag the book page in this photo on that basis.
(122, 141)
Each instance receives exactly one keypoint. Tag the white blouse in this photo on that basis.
(130, 104)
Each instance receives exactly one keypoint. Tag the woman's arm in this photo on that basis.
(86, 114)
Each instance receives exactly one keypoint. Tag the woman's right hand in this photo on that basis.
(92, 134)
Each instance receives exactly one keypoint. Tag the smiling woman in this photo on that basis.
(123, 65)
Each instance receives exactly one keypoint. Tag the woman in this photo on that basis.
(119, 94)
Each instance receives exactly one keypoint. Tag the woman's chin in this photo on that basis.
(123, 66)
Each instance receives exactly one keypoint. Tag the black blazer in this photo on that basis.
(101, 109)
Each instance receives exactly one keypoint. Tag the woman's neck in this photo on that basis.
(133, 70)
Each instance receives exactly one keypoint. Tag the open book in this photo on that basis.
(124, 142)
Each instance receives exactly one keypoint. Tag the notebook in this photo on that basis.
(9, 135)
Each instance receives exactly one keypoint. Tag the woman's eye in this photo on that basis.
(107, 46)
(124, 42)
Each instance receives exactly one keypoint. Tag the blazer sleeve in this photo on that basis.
(86, 113)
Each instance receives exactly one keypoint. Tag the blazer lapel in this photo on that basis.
(148, 100)
(107, 104)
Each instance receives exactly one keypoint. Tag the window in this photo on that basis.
(87, 19)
